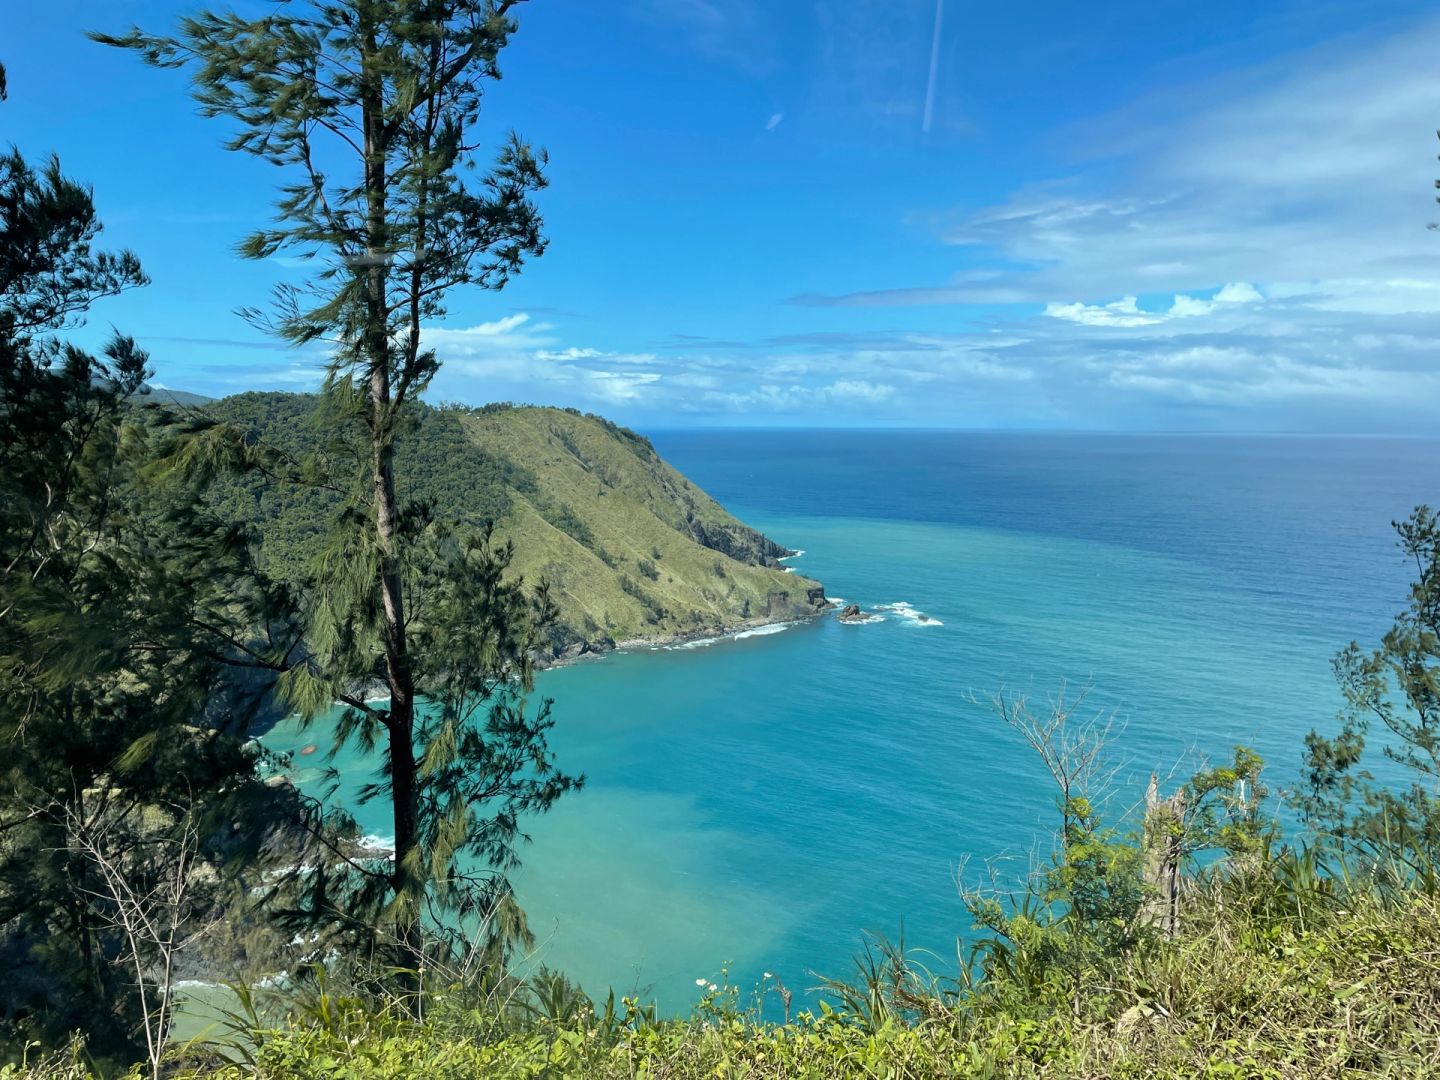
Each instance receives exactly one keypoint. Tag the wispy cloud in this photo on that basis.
(736, 32)
(1259, 252)
(774, 121)
(934, 76)
(1238, 261)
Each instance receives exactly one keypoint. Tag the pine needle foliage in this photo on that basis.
(369, 108)
(126, 615)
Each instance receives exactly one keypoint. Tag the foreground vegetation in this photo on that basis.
(1289, 968)
(1296, 984)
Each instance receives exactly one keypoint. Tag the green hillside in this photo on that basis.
(631, 549)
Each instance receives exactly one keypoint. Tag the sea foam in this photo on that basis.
(761, 631)
(907, 611)
(756, 631)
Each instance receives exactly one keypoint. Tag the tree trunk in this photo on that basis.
(1163, 846)
(405, 880)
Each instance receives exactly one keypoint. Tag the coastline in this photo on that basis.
(598, 650)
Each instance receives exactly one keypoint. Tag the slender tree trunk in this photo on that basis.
(399, 674)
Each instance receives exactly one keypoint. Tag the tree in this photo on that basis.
(154, 905)
(369, 106)
(1077, 915)
(1397, 684)
(125, 613)
(1105, 891)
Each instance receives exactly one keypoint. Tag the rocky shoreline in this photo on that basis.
(595, 650)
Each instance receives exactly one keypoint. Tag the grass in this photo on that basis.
(604, 494)
(1277, 973)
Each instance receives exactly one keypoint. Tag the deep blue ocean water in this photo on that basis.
(764, 802)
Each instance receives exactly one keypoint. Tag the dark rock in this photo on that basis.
(739, 542)
(777, 604)
(852, 613)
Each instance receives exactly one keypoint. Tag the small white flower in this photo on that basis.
(699, 982)
(713, 988)
(768, 975)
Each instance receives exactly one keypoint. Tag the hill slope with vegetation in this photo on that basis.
(629, 548)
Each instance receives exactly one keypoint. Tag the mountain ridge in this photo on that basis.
(632, 551)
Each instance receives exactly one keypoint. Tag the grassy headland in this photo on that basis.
(631, 549)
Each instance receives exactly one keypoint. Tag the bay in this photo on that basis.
(760, 803)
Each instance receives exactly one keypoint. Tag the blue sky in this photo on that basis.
(1148, 216)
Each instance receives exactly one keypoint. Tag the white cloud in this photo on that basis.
(1252, 260)
(1123, 312)
(857, 390)
(1256, 244)
(1126, 311)
(774, 121)
(513, 332)
(571, 353)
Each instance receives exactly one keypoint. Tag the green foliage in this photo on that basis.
(370, 110)
(654, 612)
(1397, 684)
(1224, 809)
(1064, 935)
(1319, 961)
(50, 273)
(1294, 986)
(481, 750)
(563, 517)
(437, 464)
(271, 460)
(131, 622)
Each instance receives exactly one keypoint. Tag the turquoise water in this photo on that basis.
(762, 802)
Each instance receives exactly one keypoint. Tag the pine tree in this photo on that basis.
(1397, 684)
(368, 107)
(125, 610)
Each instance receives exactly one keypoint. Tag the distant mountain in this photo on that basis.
(632, 550)
(163, 394)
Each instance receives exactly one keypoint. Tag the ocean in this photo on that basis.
(761, 804)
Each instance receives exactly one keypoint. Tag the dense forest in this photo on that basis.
(170, 568)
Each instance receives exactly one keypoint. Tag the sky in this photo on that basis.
(1152, 216)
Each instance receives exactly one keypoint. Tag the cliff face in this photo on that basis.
(631, 549)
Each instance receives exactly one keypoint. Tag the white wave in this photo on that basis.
(839, 600)
(798, 553)
(789, 569)
(903, 609)
(762, 631)
(757, 631)
(694, 643)
(870, 617)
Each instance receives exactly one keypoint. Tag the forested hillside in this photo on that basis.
(629, 548)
